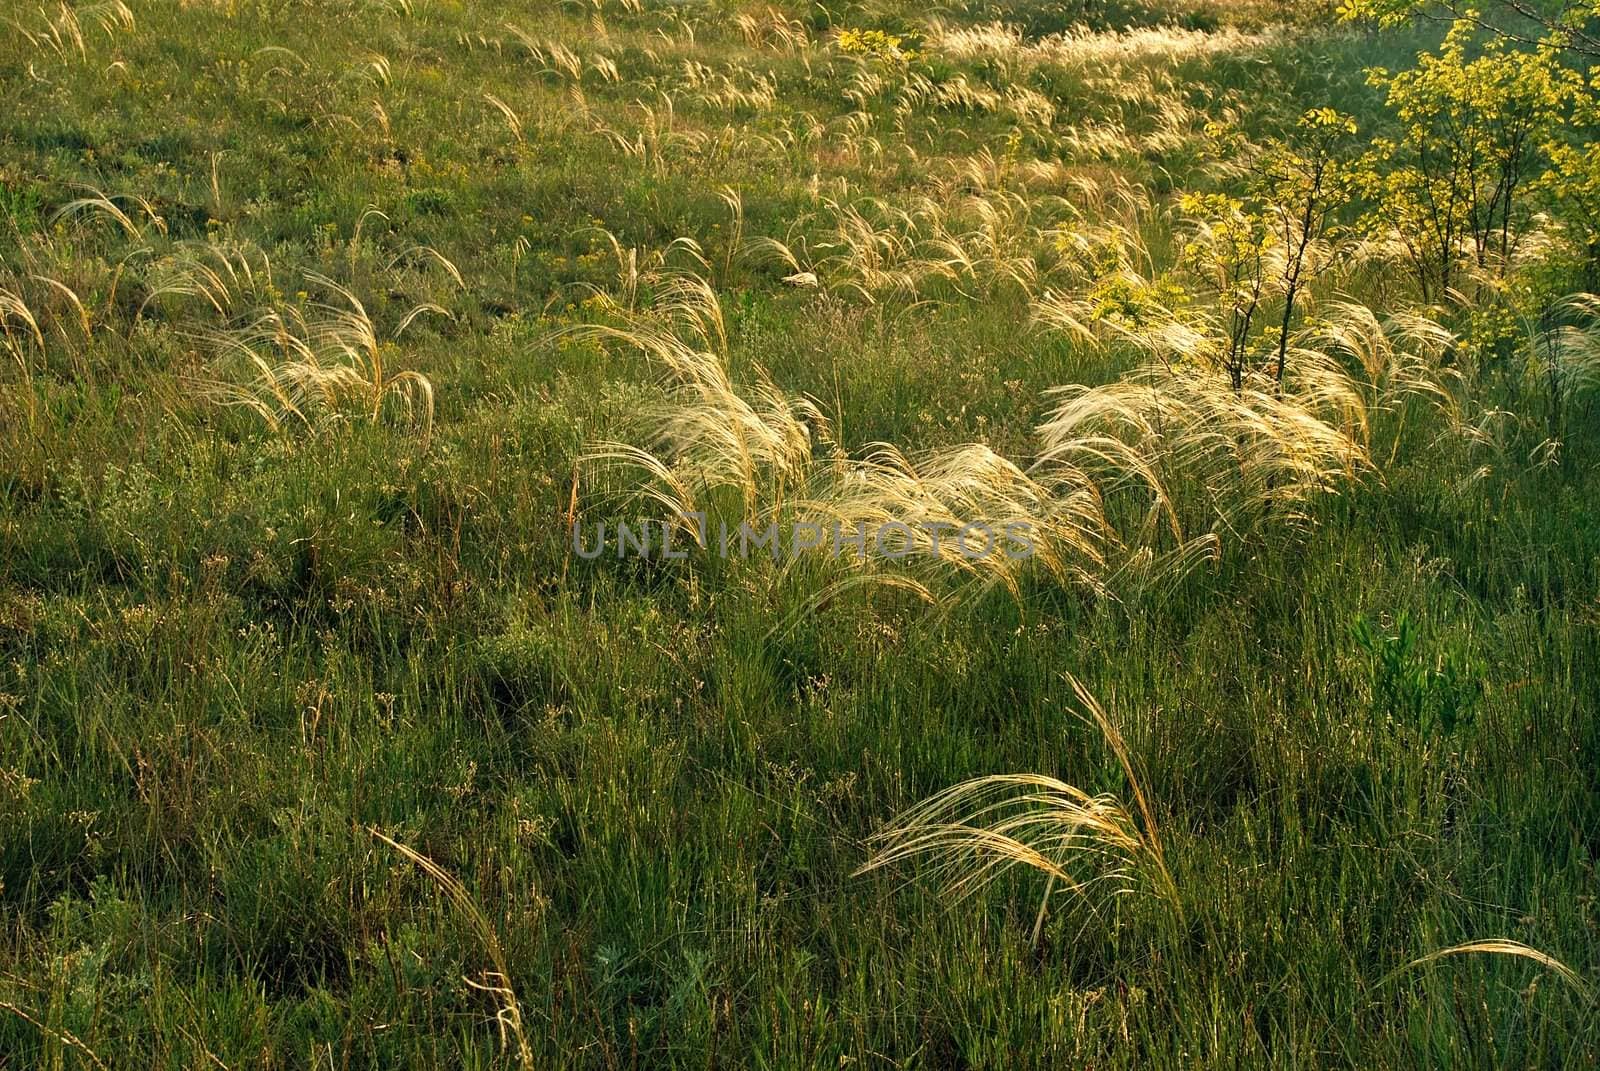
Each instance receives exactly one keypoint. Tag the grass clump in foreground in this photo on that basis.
(323, 325)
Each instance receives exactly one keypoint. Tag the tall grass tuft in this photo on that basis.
(970, 834)
(705, 432)
(1227, 458)
(496, 983)
(60, 33)
(320, 364)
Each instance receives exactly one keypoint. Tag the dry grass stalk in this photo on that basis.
(972, 833)
(1500, 947)
(497, 983)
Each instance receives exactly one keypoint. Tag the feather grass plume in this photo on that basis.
(497, 983)
(1226, 457)
(1500, 947)
(321, 364)
(705, 432)
(970, 834)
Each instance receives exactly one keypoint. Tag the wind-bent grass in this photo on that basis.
(1499, 947)
(60, 33)
(320, 364)
(41, 316)
(1562, 352)
(508, 1013)
(705, 432)
(1226, 458)
(231, 279)
(1199, 458)
(99, 204)
(741, 268)
(970, 834)
(778, 451)
(944, 499)
(20, 327)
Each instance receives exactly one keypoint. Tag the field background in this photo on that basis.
(233, 654)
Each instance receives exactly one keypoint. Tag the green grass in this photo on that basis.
(229, 656)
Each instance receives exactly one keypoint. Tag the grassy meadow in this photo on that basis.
(322, 324)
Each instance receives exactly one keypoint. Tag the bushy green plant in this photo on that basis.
(1264, 246)
(1473, 122)
(1571, 184)
(1303, 181)
(1565, 24)
(1438, 697)
(1230, 249)
(873, 43)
